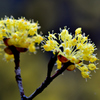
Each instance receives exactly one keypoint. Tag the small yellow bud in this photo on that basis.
(92, 66)
(9, 57)
(70, 67)
(79, 46)
(68, 51)
(46, 47)
(25, 23)
(58, 64)
(32, 48)
(83, 68)
(38, 38)
(22, 20)
(93, 58)
(64, 34)
(74, 40)
(8, 20)
(14, 35)
(73, 59)
(85, 74)
(3, 30)
(78, 31)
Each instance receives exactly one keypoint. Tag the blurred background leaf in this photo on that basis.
(52, 15)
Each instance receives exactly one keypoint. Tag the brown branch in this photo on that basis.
(18, 71)
(63, 68)
(46, 82)
(49, 79)
(51, 64)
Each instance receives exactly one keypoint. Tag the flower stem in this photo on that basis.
(49, 78)
(18, 71)
(46, 82)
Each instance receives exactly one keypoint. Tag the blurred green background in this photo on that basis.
(52, 15)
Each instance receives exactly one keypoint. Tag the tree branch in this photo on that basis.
(49, 78)
(46, 82)
(18, 71)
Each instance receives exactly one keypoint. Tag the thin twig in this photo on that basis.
(62, 69)
(51, 64)
(46, 82)
(18, 71)
(49, 79)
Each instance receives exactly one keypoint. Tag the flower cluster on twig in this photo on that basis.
(76, 48)
(70, 50)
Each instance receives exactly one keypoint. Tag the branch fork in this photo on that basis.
(46, 82)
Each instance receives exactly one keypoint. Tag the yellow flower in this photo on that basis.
(20, 33)
(76, 48)
(92, 66)
(85, 74)
(38, 39)
(83, 68)
(9, 57)
(51, 43)
(32, 48)
(78, 30)
(58, 64)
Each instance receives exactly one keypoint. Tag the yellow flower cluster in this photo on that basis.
(76, 48)
(20, 33)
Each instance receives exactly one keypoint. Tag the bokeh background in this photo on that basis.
(52, 15)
